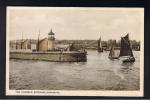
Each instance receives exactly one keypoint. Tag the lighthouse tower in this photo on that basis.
(51, 40)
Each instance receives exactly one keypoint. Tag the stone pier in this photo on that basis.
(51, 56)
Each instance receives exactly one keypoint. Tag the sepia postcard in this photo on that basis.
(75, 51)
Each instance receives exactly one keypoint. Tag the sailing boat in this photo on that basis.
(112, 54)
(100, 49)
(125, 50)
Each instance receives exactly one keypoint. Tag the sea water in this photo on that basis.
(98, 73)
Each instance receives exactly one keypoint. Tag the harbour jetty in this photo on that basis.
(50, 56)
(46, 49)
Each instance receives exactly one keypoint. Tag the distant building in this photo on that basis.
(62, 47)
(47, 44)
(51, 40)
(33, 46)
(12, 45)
(43, 45)
(29, 44)
(25, 44)
(15, 45)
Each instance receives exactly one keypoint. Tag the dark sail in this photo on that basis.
(125, 49)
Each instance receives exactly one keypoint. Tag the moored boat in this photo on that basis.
(112, 54)
(126, 53)
(99, 48)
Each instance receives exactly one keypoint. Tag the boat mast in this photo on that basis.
(22, 40)
(38, 41)
(30, 43)
(16, 45)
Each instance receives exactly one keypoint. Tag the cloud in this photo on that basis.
(75, 23)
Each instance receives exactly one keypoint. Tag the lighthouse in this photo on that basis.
(51, 40)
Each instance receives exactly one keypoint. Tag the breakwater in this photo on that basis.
(51, 56)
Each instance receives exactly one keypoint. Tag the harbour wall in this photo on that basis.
(50, 56)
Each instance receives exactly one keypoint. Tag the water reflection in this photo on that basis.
(128, 64)
(127, 67)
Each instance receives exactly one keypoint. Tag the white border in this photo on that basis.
(79, 92)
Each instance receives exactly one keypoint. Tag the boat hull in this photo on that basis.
(113, 57)
(100, 50)
(128, 60)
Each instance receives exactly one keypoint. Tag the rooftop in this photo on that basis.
(51, 33)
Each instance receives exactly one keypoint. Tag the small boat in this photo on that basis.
(129, 59)
(125, 50)
(99, 48)
(112, 54)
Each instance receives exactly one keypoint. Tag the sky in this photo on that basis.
(75, 23)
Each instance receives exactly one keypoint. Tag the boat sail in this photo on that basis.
(100, 49)
(125, 50)
(112, 54)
